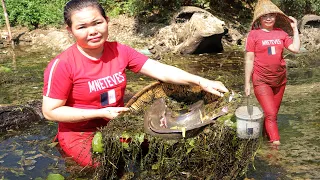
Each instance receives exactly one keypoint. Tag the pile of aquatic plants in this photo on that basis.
(214, 152)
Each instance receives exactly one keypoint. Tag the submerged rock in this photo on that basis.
(20, 116)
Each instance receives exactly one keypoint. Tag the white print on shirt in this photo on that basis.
(112, 96)
(50, 76)
(106, 82)
(270, 42)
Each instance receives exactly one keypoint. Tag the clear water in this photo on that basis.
(27, 154)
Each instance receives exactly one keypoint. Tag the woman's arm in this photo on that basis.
(170, 74)
(249, 59)
(295, 46)
(55, 110)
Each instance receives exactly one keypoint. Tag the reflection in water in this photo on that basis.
(299, 119)
(14, 61)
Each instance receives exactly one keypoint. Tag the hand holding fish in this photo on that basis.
(214, 87)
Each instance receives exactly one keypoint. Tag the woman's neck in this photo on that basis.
(93, 54)
(267, 29)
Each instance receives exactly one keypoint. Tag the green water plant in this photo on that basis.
(4, 69)
(213, 150)
(55, 177)
(97, 144)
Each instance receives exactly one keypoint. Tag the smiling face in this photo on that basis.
(89, 28)
(267, 21)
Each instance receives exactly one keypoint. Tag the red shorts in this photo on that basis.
(77, 145)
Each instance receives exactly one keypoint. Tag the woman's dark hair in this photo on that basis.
(75, 5)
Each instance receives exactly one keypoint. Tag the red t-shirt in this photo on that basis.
(90, 84)
(269, 65)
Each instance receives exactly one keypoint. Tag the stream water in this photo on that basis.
(28, 154)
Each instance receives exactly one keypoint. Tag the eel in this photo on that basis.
(159, 119)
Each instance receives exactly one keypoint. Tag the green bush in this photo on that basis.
(34, 13)
(298, 8)
(135, 7)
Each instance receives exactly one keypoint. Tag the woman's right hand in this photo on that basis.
(214, 87)
(112, 112)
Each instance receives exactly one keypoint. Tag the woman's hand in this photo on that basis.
(294, 23)
(214, 87)
(175, 75)
(112, 112)
(247, 89)
(295, 46)
(248, 68)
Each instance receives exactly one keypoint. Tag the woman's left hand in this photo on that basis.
(294, 23)
(214, 87)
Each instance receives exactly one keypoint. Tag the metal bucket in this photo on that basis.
(249, 122)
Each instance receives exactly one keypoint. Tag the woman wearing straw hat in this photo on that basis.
(264, 63)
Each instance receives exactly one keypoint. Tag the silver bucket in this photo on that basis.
(249, 122)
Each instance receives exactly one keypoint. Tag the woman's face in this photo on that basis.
(89, 28)
(267, 21)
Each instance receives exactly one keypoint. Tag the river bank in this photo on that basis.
(29, 155)
(140, 35)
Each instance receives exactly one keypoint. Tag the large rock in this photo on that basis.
(309, 21)
(309, 27)
(192, 31)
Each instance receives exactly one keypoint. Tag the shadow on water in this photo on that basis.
(28, 155)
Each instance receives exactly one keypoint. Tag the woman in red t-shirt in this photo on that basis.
(84, 85)
(264, 63)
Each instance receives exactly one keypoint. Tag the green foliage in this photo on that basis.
(314, 6)
(135, 7)
(298, 8)
(115, 8)
(5, 69)
(34, 13)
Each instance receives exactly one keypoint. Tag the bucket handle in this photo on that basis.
(249, 107)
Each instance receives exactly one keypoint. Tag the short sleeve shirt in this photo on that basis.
(269, 65)
(91, 84)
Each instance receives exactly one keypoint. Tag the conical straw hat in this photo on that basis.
(265, 7)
